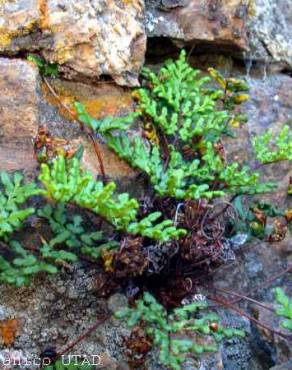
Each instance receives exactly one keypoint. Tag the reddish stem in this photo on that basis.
(84, 129)
(84, 335)
(80, 338)
(265, 284)
(246, 298)
(244, 314)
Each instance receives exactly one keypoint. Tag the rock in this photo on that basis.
(117, 302)
(56, 323)
(280, 346)
(236, 352)
(27, 103)
(255, 30)
(19, 114)
(88, 38)
(269, 108)
(199, 23)
(100, 101)
(255, 263)
(285, 366)
(270, 25)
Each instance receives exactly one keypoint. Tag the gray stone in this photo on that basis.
(270, 29)
(285, 366)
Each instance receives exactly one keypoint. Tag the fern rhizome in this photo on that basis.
(178, 230)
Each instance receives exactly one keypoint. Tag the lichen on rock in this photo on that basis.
(91, 38)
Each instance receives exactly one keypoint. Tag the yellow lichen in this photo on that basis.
(251, 7)
(5, 38)
(63, 55)
(43, 11)
(6, 35)
(136, 4)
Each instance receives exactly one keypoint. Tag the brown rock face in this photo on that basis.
(199, 22)
(19, 114)
(89, 38)
(268, 109)
(27, 104)
(100, 101)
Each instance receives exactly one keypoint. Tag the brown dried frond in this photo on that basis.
(130, 260)
(138, 345)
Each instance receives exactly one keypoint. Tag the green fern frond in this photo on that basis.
(171, 332)
(285, 308)
(65, 182)
(12, 196)
(23, 267)
(72, 234)
(185, 111)
(269, 149)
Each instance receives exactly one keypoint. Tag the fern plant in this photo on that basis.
(282, 146)
(12, 196)
(183, 158)
(180, 333)
(23, 266)
(65, 182)
(72, 234)
(189, 120)
(285, 308)
(46, 69)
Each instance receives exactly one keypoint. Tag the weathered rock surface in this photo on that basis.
(257, 30)
(270, 30)
(19, 114)
(88, 38)
(285, 366)
(56, 311)
(198, 22)
(269, 108)
(26, 104)
(100, 100)
(255, 263)
(280, 346)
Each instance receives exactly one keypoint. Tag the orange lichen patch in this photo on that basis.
(9, 330)
(44, 17)
(99, 102)
(65, 98)
(108, 105)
